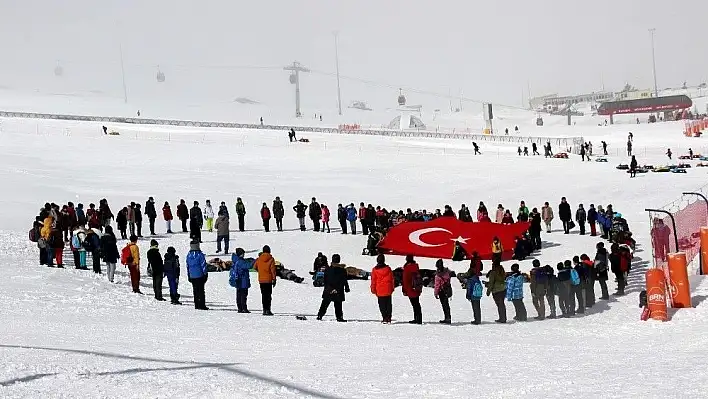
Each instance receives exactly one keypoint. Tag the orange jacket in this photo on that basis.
(382, 281)
(265, 265)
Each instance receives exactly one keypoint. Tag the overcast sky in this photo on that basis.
(490, 50)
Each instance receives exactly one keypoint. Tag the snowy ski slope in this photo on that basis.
(66, 333)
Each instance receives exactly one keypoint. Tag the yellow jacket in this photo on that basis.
(265, 265)
(46, 230)
(497, 248)
(135, 253)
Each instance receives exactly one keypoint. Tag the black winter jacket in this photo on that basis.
(335, 283)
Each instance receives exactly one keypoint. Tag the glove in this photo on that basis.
(273, 283)
(347, 290)
(437, 296)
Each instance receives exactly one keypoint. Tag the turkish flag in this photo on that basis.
(436, 238)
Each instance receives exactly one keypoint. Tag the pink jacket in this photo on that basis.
(441, 279)
(500, 216)
(325, 215)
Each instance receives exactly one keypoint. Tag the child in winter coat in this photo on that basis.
(239, 278)
(412, 287)
(382, 286)
(443, 289)
(109, 252)
(500, 214)
(547, 216)
(474, 295)
(507, 219)
(157, 268)
(171, 266)
(197, 274)
(496, 287)
(325, 218)
(265, 215)
(515, 292)
(209, 216)
(167, 215)
(539, 288)
(122, 221)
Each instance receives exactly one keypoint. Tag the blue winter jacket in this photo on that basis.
(241, 272)
(351, 214)
(196, 264)
(515, 287)
(474, 289)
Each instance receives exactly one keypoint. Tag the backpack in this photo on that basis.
(446, 290)
(574, 277)
(126, 256)
(75, 242)
(477, 290)
(33, 236)
(232, 279)
(88, 244)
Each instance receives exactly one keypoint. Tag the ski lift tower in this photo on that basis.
(295, 70)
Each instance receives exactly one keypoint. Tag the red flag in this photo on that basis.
(436, 238)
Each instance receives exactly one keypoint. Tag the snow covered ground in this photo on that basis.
(67, 333)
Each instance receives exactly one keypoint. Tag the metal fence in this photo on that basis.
(565, 143)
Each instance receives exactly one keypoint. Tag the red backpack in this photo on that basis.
(126, 255)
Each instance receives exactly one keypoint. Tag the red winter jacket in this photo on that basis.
(362, 213)
(411, 272)
(167, 213)
(382, 281)
(265, 213)
(325, 215)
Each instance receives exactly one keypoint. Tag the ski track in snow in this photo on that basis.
(69, 333)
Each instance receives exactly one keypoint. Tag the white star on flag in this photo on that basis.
(460, 240)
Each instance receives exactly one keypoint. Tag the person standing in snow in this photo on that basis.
(239, 278)
(109, 251)
(222, 233)
(582, 153)
(183, 214)
(539, 288)
(92, 245)
(497, 250)
(167, 215)
(577, 281)
(156, 265)
(604, 147)
(265, 266)
(564, 290)
(481, 211)
(130, 216)
(592, 220)
(240, 213)
(552, 290)
(580, 217)
(80, 216)
(474, 295)
(547, 216)
(412, 287)
(133, 263)
(496, 287)
(500, 214)
(196, 218)
(197, 274)
(265, 216)
(362, 219)
(138, 221)
(171, 266)
(93, 218)
(565, 215)
(629, 147)
(534, 149)
(315, 212)
(476, 149)
(300, 212)
(523, 212)
(535, 229)
(223, 209)
(122, 222)
(351, 217)
(443, 289)
(325, 218)
(382, 285)
(209, 216)
(105, 213)
(335, 286)
(342, 218)
(515, 292)
(151, 214)
(601, 265)
(668, 153)
(278, 213)
(633, 167)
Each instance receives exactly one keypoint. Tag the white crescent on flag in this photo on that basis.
(414, 237)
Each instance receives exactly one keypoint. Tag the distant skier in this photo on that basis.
(526, 151)
(604, 147)
(582, 153)
(630, 136)
(669, 153)
(476, 148)
(506, 131)
(261, 121)
(105, 130)
(534, 148)
(690, 153)
(629, 147)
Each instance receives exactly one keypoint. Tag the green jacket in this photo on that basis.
(496, 283)
(240, 209)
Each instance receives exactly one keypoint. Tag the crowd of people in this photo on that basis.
(89, 233)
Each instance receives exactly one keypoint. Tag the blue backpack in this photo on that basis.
(574, 277)
(474, 289)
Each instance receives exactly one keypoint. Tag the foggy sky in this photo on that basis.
(489, 50)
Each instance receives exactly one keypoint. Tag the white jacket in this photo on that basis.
(208, 212)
